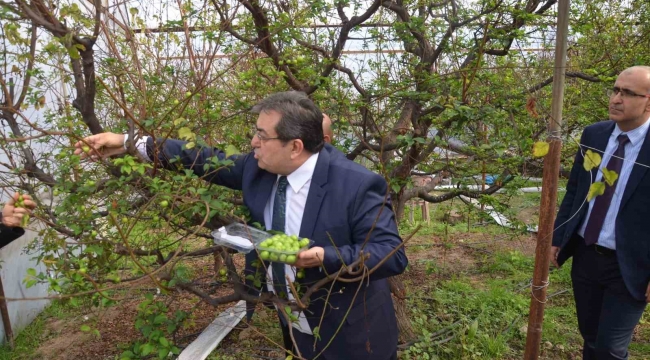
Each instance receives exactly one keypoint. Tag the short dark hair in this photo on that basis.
(300, 118)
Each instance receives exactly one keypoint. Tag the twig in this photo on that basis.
(438, 333)
(507, 330)
(557, 293)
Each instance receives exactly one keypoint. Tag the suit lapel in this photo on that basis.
(638, 171)
(316, 195)
(600, 144)
(262, 194)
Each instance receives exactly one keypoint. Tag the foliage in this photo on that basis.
(157, 328)
(445, 88)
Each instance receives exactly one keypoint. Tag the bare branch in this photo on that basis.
(572, 74)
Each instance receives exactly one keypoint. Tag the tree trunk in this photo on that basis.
(397, 288)
(406, 332)
(399, 205)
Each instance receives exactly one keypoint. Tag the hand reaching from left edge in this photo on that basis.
(17, 210)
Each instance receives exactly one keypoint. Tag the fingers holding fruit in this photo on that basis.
(24, 201)
(100, 146)
(310, 258)
(17, 210)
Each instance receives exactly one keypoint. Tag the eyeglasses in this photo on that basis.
(264, 138)
(625, 93)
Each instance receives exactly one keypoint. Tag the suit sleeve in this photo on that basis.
(173, 155)
(564, 214)
(9, 234)
(374, 231)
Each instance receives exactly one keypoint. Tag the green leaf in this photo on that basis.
(473, 329)
(160, 318)
(592, 160)
(162, 353)
(596, 189)
(85, 328)
(127, 355)
(610, 176)
(186, 133)
(540, 149)
(164, 342)
(31, 272)
(231, 150)
(146, 349)
(190, 145)
(74, 53)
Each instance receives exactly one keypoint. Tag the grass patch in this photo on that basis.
(30, 338)
(483, 315)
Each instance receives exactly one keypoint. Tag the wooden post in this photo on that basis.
(483, 171)
(6, 321)
(549, 191)
(411, 213)
(425, 212)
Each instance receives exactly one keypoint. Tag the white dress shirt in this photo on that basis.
(607, 237)
(299, 183)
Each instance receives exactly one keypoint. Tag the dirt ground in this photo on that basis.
(63, 339)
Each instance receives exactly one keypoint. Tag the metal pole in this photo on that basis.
(6, 322)
(549, 191)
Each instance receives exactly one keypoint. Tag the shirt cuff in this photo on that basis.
(140, 146)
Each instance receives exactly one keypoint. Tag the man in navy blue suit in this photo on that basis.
(607, 236)
(293, 182)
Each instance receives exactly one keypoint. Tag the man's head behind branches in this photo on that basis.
(289, 130)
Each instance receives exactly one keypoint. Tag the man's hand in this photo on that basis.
(101, 145)
(554, 253)
(310, 258)
(12, 215)
(647, 294)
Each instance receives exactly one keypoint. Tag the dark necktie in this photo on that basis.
(599, 211)
(279, 217)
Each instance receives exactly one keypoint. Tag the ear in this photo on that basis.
(297, 148)
(327, 139)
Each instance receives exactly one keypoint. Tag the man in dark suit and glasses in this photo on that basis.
(607, 236)
(294, 183)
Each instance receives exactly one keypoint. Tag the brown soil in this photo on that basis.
(430, 258)
(63, 339)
